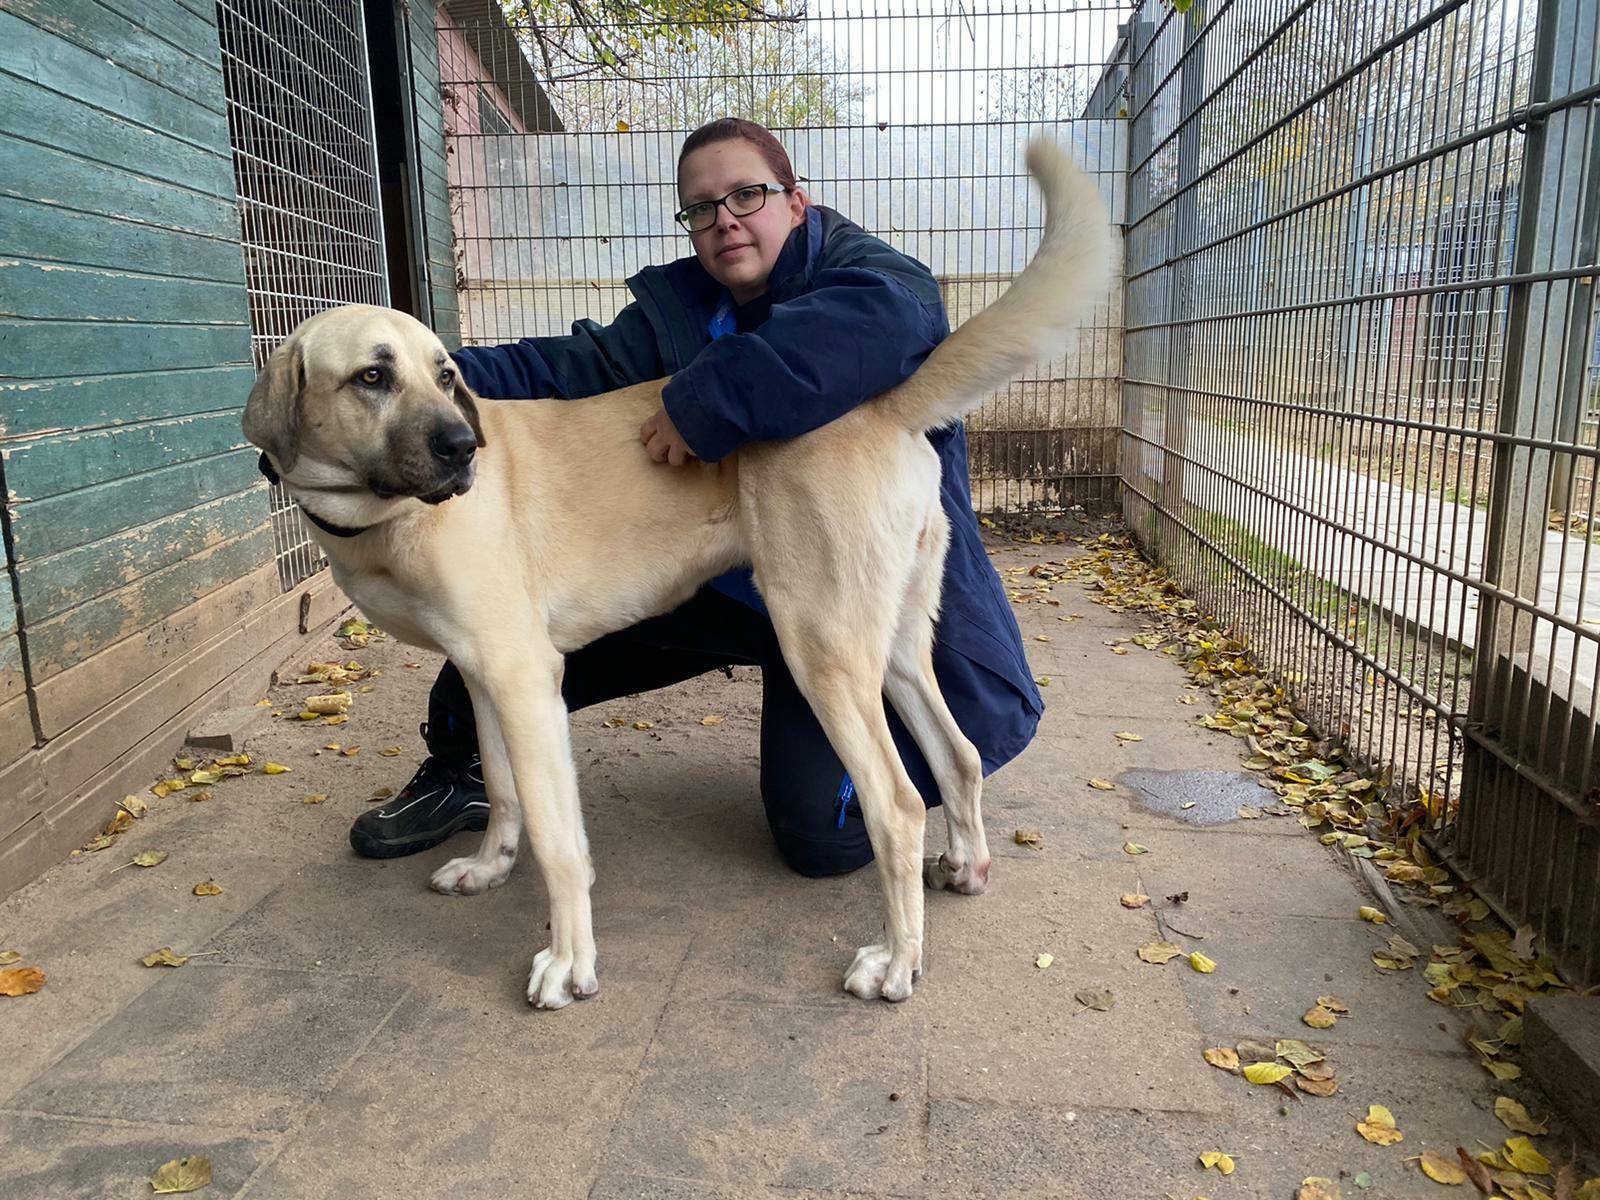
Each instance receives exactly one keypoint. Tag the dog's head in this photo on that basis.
(370, 395)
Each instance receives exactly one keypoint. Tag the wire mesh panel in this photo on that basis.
(300, 119)
(1360, 393)
(909, 120)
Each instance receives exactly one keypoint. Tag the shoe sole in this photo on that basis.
(368, 846)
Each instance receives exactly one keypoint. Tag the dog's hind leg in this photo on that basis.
(524, 688)
(497, 854)
(914, 691)
(837, 657)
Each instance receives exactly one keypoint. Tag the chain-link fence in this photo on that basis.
(1361, 386)
(909, 121)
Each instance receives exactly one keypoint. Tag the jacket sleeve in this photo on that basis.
(590, 360)
(856, 333)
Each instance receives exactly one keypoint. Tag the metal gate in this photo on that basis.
(1362, 354)
(300, 120)
(910, 121)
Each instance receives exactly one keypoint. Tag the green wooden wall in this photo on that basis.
(428, 103)
(124, 329)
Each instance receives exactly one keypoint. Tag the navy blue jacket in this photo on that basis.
(851, 317)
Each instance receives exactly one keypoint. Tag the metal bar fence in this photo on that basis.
(1360, 399)
(909, 120)
(300, 121)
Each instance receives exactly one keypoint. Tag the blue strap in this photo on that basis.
(847, 791)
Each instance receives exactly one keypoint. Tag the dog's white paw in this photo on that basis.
(556, 980)
(877, 975)
(943, 874)
(471, 875)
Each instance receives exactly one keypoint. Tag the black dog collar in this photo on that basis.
(342, 531)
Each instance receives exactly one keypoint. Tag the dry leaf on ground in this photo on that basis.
(1266, 1072)
(1134, 899)
(1379, 1127)
(1099, 999)
(1515, 1117)
(1125, 736)
(273, 768)
(1440, 1169)
(712, 720)
(1028, 837)
(1320, 1018)
(208, 888)
(1043, 961)
(182, 1175)
(1334, 1005)
(164, 957)
(1224, 1058)
(1376, 915)
(1135, 848)
(1318, 1188)
(1102, 785)
(1525, 1157)
(7, 957)
(1159, 952)
(20, 981)
(1218, 1160)
(1201, 963)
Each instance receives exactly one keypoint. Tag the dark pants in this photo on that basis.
(819, 830)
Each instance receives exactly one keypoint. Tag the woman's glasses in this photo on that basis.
(741, 202)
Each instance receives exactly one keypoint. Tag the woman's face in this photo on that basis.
(739, 252)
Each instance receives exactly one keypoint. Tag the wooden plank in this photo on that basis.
(55, 798)
(48, 466)
(47, 233)
(69, 697)
(68, 638)
(51, 349)
(78, 518)
(13, 682)
(65, 183)
(57, 292)
(47, 117)
(35, 406)
(181, 54)
(54, 584)
(16, 732)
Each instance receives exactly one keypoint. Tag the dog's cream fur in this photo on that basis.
(571, 532)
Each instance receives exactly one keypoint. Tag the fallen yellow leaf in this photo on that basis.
(1135, 848)
(1265, 1072)
(1319, 1018)
(1159, 952)
(1379, 1127)
(391, 751)
(1102, 785)
(1317, 1188)
(150, 858)
(712, 720)
(1043, 961)
(182, 1175)
(273, 768)
(1134, 899)
(1522, 1155)
(1125, 736)
(1223, 1057)
(1375, 915)
(1440, 1169)
(315, 798)
(1028, 837)
(207, 889)
(644, 724)
(164, 957)
(1215, 1158)
(1201, 963)
(1334, 1005)
(20, 981)
(1513, 1116)
(7, 957)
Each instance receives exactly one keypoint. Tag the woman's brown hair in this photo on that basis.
(729, 129)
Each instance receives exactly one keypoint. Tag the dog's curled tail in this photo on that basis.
(1070, 272)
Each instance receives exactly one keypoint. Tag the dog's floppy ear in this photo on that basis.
(272, 414)
(468, 404)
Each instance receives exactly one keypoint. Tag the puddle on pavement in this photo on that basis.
(1216, 796)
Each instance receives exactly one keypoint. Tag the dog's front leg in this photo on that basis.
(525, 694)
(497, 853)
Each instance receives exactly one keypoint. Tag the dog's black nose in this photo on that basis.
(454, 444)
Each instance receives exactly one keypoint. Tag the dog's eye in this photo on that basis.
(447, 377)
(372, 377)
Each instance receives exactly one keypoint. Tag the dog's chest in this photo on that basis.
(394, 609)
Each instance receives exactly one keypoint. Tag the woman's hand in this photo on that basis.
(663, 442)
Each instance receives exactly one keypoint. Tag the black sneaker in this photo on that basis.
(443, 799)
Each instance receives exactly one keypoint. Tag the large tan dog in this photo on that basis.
(504, 535)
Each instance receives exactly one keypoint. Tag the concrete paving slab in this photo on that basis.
(785, 1096)
(51, 1158)
(228, 1045)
